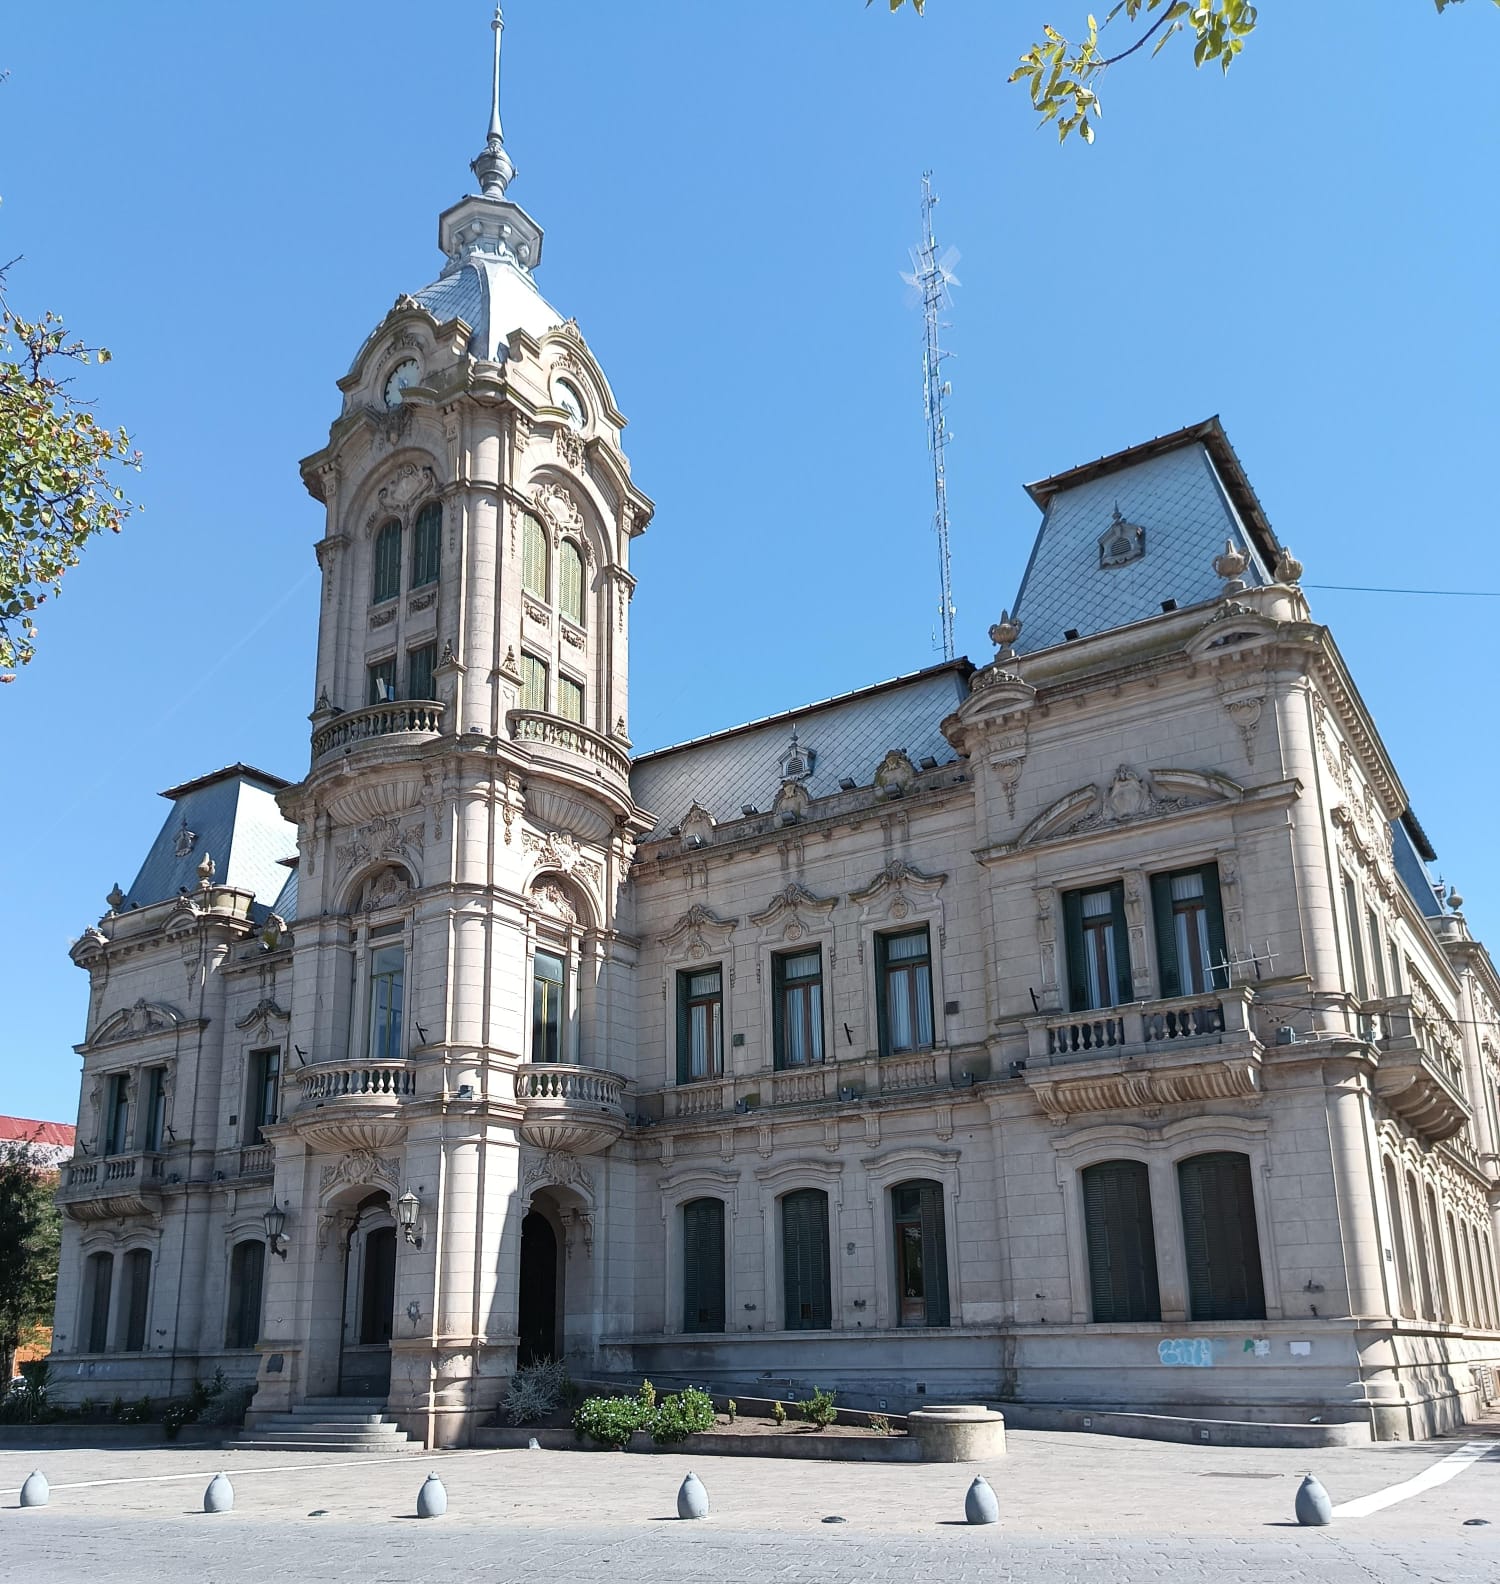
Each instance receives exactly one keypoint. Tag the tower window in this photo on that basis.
(382, 676)
(117, 1115)
(387, 584)
(387, 986)
(570, 581)
(533, 683)
(420, 665)
(533, 556)
(546, 1007)
(427, 545)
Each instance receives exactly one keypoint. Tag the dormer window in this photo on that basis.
(387, 580)
(1122, 542)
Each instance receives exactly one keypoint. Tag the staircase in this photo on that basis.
(329, 1424)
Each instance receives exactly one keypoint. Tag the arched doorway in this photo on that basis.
(369, 1300)
(538, 1304)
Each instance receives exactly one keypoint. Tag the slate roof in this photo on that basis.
(233, 817)
(848, 735)
(285, 905)
(1412, 868)
(493, 298)
(1186, 490)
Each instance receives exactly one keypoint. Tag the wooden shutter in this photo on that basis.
(703, 1265)
(804, 1251)
(1218, 945)
(1220, 1238)
(1124, 984)
(1078, 979)
(1169, 969)
(1121, 1242)
(778, 1012)
(882, 996)
(934, 1253)
(137, 1292)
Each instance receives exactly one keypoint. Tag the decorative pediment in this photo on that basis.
(135, 1022)
(362, 1166)
(556, 1169)
(896, 880)
(261, 1016)
(1231, 625)
(1130, 796)
(895, 773)
(697, 826)
(786, 906)
(699, 932)
(560, 850)
(792, 801)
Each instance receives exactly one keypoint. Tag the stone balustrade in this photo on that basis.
(571, 1108)
(1064, 1036)
(257, 1160)
(571, 744)
(396, 717)
(1420, 1076)
(113, 1187)
(380, 1082)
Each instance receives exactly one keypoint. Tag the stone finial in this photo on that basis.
(206, 871)
(116, 898)
(1455, 901)
(1230, 565)
(1288, 567)
(1004, 634)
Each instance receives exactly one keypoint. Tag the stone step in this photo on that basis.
(252, 1443)
(313, 1427)
(323, 1416)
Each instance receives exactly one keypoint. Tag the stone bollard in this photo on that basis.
(692, 1498)
(1313, 1505)
(219, 1497)
(981, 1506)
(36, 1492)
(533, 1445)
(432, 1499)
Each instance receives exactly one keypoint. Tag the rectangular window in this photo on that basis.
(156, 1109)
(387, 581)
(387, 986)
(137, 1299)
(547, 985)
(903, 972)
(703, 1265)
(700, 1024)
(117, 1115)
(570, 699)
(533, 557)
(797, 985)
(921, 1253)
(265, 1081)
(1189, 917)
(420, 664)
(426, 548)
(1098, 948)
(1356, 945)
(1377, 957)
(806, 1287)
(99, 1276)
(533, 683)
(382, 678)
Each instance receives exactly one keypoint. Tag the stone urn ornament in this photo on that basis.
(432, 1499)
(219, 1497)
(1230, 565)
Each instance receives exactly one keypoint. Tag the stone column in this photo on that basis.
(1346, 1087)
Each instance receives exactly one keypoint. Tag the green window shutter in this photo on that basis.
(1121, 1242)
(1078, 980)
(570, 581)
(1218, 942)
(427, 545)
(703, 1265)
(778, 1013)
(804, 1249)
(387, 580)
(882, 996)
(934, 1252)
(682, 1029)
(137, 1293)
(1124, 984)
(1220, 1239)
(1166, 937)
(534, 552)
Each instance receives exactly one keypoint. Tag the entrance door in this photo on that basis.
(371, 1285)
(536, 1321)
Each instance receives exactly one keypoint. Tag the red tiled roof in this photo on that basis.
(23, 1128)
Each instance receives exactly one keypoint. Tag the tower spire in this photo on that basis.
(492, 165)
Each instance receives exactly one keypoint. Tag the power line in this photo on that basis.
(1359, 588)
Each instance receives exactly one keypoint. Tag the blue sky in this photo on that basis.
(231, 198)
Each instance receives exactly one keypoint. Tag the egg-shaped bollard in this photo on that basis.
(1313, 1505)
(432, 1499)
(533, 1445)
(981, 1505)
(36, 1492)
(692, 1498)
(219, 1497)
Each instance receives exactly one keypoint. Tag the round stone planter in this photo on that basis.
(958, 1433)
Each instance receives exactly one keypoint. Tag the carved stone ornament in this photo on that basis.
(1003, 635)
(361, 1166)
(384, 890)
(556, 849)
(697, 826)
(551, 895)
(1288, 567)
(1230, 564)
(1245, 711)
(558, 509)
(563, 1171)
(382, 838)
(408, 485)
(207, 869)
(791, 901)
(792, 801)
(145, 1017)
(260, 1017)
(570, 447)
(895, 773)
(697, 933)
(894, 881)
(1129, 796)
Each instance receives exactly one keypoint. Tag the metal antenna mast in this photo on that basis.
(932, 276)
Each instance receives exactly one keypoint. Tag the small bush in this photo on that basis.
(733, 1409)
(683, 1414)
(880, 1423)
(136, 1413)
(536, 1391)
(228, 1406)
(646, 1396)
(175, 1415)
(819, 1410)
(609, 1420)
(778, 1413)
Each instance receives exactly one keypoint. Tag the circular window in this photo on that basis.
(571, 403)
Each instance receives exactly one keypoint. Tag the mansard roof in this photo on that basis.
(847, 737)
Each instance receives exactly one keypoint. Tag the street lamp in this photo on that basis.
(407, 1207)
(274, 1221)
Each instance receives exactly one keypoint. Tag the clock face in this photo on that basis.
(400, 377)
(571, 403)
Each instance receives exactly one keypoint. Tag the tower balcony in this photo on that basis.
(354, 1105)
(117, 1185)
(565, 745)
(407, 719)
(574, 1109)
(1420, 1076)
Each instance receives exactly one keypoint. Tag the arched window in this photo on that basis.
(98, 1278)
(1121, 1241)
(387, 580)
(1423, 1263)
(247, 1270)
(1405, 1297)
(806, 1296)
(1461, 1297)
(1445, 1294)
(703, 1265)
(1479, 1317)
(570, 581)
(534, 552)
(137, 1299)
(427, 545)
(921, 1253)
(1220, 1239)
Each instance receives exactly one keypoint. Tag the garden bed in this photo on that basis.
(744, 1438)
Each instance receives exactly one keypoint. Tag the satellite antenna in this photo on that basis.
(930, 278)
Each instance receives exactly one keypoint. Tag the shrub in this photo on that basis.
(778, 1413)
(880, 1423)
(136, 1413)
(683, 1414)
(609, 1420)
(228, 1406)
(646, 1396)
(175, 1415)
(733, 1409)
(536, 1391)
(819, 1410)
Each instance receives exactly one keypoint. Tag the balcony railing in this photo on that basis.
(564, 1107)
(1421, 1076)
(399, 717)
(257, 1160)
(857, 1078)
(576, 742)
(116, 1185)
(377, 1082)
(1191, 1019)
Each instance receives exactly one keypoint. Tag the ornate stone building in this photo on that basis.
(1078, 1030)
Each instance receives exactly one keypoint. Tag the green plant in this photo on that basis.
(535, 1392)
(609, 1420)
(880, 1423)
(135, 1413)
(646, 1396)
(778, 1413)
(682, 1414)
(228, 1405)
(117, 1408)
(87, 1408)
(819, 1410)
(175, 1415)
(733, 1409)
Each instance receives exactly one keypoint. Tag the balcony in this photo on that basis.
(354, 1105)
(568, 746)
(567, 1108)
(413, 718)
(857, 1078)
(116, 1186)
(1420, 1076)
(1152, 1054)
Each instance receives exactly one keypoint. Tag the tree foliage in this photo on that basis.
(1060, 74)
(58, 469)
(30, 1232)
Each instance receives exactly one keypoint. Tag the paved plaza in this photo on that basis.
(1074, 1507)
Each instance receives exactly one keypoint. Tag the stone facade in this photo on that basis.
(1079, 1029)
